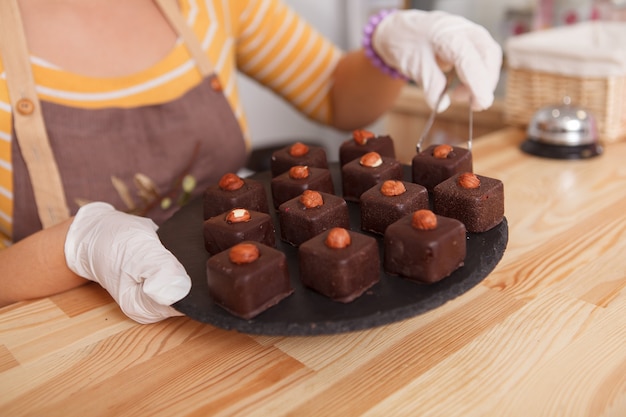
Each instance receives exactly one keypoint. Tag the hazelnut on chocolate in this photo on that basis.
(243, 253)
(442, 151)
(469, 180)
(230, 182)
(361, 136)
(298, 149)
(424, 220)
(238, 215)
(371, 159)
(391, 188)
(311, 199)
(299, 172)
(338, 238)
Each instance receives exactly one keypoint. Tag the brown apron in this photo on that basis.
(196, 134)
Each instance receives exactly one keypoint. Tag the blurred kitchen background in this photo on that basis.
(273, 122)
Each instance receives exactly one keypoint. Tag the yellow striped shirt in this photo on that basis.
(264, 39)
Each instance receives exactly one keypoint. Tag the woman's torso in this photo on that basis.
(133, 157)
(230, 33)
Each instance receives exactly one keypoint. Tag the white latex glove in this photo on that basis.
(419, 44)
(124, 255)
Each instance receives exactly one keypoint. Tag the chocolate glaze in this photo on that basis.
(425, 256)
(220, 235)
(285, 188)
(356, 178)
(350, 149)
(299, 224)
(480, 209)
(430, 171)
(282, 160)
(306, 312)
(340, 274)
(251, 196)
(378, 211)
(247, 290)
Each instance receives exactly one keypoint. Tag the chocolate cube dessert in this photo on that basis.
(361, 174)
(438, 163)
(339, 264)
(310, 214)
(235, 226)
(388, 202)
(299, 178)
(363, 142)
(234, 192)
(475, 200)
(297, 154)
(248, 278)
(424, 247)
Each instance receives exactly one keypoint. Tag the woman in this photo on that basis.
(144, 91)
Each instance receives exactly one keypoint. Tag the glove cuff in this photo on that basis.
(370, 52)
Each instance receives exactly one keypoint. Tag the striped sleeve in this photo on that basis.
(280, 50)
(6, 170)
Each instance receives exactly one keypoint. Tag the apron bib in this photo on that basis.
(196, 134)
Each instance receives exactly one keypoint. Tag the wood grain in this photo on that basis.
(543, 335)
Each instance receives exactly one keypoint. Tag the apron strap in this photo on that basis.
(171, 11)
(28, 120)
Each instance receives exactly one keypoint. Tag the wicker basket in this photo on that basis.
(604, 98)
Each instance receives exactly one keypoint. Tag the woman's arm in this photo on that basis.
(361, 93)
(281, 51)
(119, 251)
(35, 267)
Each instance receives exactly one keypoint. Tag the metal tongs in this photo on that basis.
(451, 82)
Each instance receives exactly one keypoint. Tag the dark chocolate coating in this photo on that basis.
(299, 224)
(285, 188)
(340, 274)
(425, 256)
(350, 150)
(306, 312)
(430, 171)
(247, 290)
(378, 211)
(282, 160)
(356, 178)
(220, 235)
(251, 196)
(480, 209)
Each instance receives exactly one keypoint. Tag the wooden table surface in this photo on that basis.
(543, 335)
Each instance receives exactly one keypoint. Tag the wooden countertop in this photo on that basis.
(543, 335)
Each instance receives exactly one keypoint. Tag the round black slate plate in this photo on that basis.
(308, 313)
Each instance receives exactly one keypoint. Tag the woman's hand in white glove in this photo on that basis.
(419, 44)
(123, 253)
